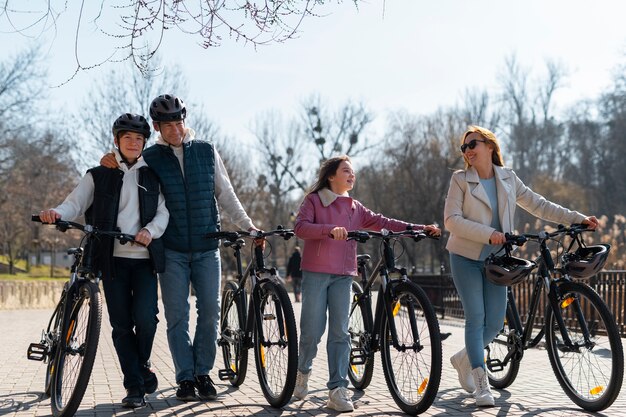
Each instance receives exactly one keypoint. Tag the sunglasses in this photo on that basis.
(471, 144)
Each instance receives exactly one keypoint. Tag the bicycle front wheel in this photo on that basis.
(232, 335)
(413, 367)
(76, 350)
(591, 368)
(502, 374)
(276, 345)
(361, 327)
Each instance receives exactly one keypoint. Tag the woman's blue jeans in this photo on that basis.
(484, 304)
(322, 292)
(203, 271)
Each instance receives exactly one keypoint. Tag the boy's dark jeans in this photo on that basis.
(131, 298)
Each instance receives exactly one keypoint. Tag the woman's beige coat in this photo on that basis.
(467, 212)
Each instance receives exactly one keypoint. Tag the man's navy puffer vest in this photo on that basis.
(190, 199)
(103, 214)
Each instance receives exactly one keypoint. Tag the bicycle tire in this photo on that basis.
(498, 348)
(77, 349)
(232, 328)
(52, 335)
(276, 355)
(413, 377)
(592, 376)
(361, 328)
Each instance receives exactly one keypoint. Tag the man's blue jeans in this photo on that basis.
(484, 305)
(203, 271)
(319, 293)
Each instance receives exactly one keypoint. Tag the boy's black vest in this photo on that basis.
(190, 199)
(103, 214)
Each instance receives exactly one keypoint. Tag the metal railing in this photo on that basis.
(610, 285)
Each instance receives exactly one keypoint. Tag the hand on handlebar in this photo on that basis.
(591, 222)
(258, 241)
(143, 237)
(497, 238)
(339, 233)
(49, 216)
(432, 230)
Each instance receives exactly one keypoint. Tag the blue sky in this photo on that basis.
(414, 55)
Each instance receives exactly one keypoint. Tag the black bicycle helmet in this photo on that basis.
(130, 122)
(167, 108)
(586, 261)
(507, 270)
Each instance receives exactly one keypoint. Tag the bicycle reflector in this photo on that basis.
(586, 261)
(507, 270)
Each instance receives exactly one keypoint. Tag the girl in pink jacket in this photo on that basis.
(328, 265)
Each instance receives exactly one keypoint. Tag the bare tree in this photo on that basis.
(22, 81)
(132, 24)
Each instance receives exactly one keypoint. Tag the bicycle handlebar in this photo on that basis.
(363, 236)
(232, 236)
(572, 230)
(64, 225)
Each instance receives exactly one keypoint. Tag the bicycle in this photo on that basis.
(69, 343)
(582, 338)
(405, 328)
(265, 322)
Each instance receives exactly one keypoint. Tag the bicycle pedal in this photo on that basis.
(37, 352)
(225, 374)
(495, 365)
(358, 356)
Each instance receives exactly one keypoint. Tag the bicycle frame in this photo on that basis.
(252, 275)
(382, 271)
(545, 279)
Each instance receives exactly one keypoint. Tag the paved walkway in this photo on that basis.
(534, 393)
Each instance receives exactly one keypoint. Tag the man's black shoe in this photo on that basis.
(134, 398)
(186, 391)
(206, 390)
(150, 381)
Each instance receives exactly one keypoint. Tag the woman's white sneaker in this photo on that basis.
(460, 362)
(483, 395)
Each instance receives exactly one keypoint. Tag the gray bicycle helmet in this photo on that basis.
(586, 261)
(129, 122)
(167, 108)
(507, 270)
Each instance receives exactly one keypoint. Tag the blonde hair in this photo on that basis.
(491, 140)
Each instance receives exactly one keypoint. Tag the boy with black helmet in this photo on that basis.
(128, 198)
(194, 181)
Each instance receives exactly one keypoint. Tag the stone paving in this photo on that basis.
(534, 393)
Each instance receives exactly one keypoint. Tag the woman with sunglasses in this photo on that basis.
(479, 210)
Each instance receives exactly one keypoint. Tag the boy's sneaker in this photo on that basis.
(339, 400)
(186, 391)
(150, 381)
(302, 385)
(206, 389)
(134, 398)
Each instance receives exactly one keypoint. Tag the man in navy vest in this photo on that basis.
(194, 181)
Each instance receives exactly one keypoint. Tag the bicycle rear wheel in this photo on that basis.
(77, 348)
(232, 334)
(276, 345)
(502, 375)
(590, 371)
(361, 327)
(52, 337)
(412, 371)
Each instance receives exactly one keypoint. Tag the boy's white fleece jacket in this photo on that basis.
(128, 220)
